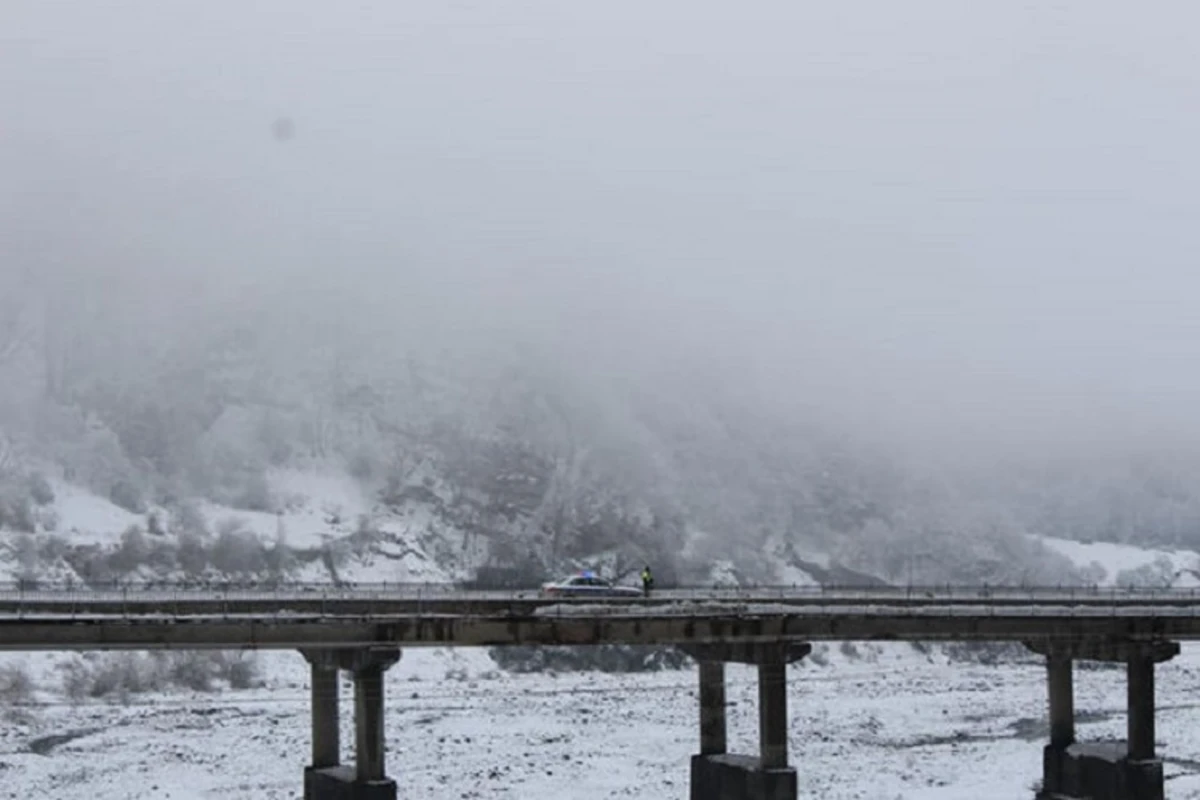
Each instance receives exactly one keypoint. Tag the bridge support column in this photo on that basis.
(327, 778)
(718, 775)
(712, 708)
(1060, 680)
(326, 736)
(368, 718)
(1060, 683)
(326, 739)
(1110, 770)
(1139, 676)
(772, 714)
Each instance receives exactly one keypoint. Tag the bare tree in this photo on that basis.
(13, 335)
(62, 356)
(8, 454)
(15, 329)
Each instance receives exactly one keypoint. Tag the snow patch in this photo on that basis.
(314, 507)
(789, 575)
(334, 494)
(88, 519)
(1111, 559)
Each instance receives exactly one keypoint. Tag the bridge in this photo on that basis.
(362, 629)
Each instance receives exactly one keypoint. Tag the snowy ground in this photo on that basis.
(885, 731)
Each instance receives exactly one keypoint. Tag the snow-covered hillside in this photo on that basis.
(1109, 564)
(341, 530)
(332, 528)
(335, 530)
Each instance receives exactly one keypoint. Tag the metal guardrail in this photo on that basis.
(338, 611)
(402, 589)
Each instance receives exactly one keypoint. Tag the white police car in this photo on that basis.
(587, 584)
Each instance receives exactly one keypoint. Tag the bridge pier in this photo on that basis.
(1139, 678)
(712, 708)
(1127, 770)
(718, 775)
(323, 685)
(1061, 684)
(327, 778)
(772, 714)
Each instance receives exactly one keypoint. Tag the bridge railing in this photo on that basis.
(458, 586)
(195, 590)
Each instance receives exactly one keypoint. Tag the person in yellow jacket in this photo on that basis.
(647, 581)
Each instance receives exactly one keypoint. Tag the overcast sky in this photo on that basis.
(946, 215)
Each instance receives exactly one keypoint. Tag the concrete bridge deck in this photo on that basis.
(356, 622)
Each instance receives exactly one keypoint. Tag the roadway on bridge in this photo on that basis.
(405, 599)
